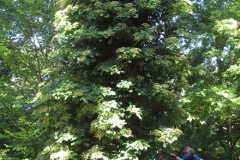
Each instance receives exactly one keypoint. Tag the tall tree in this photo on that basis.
(120, 75)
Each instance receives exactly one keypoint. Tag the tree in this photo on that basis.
(120, 75)
(25, 36)
(212, 100)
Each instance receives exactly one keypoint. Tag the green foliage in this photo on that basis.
(25, 37)
(26, 142)
(4, 69)
(118, 79)
(211, 102)
(107, 83)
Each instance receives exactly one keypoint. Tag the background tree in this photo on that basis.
(26, 32)
(213, 99)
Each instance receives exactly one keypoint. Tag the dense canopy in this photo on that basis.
(119, 80)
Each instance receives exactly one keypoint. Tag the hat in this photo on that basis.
(185, 149)
(191, 151)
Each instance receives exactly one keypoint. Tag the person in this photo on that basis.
(185, 155)
(189, 154)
